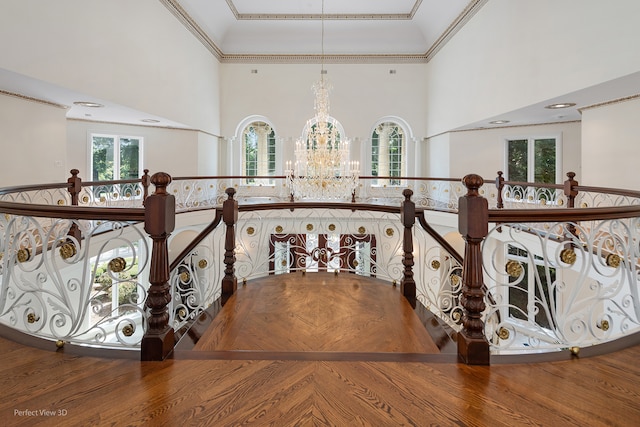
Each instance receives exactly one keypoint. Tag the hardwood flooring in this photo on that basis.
(195, 389)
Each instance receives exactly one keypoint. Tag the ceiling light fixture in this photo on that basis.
(322, 169)
(499, 122)
(560, 105)
(88, 104)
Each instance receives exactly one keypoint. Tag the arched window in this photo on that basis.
(388, 153)
(258, 152)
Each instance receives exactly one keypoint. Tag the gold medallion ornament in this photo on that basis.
(513, 268)
(250, 230)
(309, 227)
(85, 199)
(332, 227)
(117, 264)
(455, 279)
(23, 255)
(503, 333)
(361, 230)
(604, 325)
(202, 263)
(435, 264)
(128, 330)
(568, 256)
(184, 277)
(60, 202)
(32, 318)
(279, 229)
(67, 250)
(389, 232)
(613, 260)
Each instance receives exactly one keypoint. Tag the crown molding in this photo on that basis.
(318, 16)
(32, 99)
(611, 102)
(239, 58)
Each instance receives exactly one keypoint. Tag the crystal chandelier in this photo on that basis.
(322, 170)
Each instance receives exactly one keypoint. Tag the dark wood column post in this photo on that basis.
(230, 217)
(74, 186)
(473, 223)
(569, 189)
(159, 222)
(571, 192)
(145, 181)
(500, 187)
(408, 218)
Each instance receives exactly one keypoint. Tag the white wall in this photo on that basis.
(611, 145)
(165, 150)
(133, 53)
(32, 154)
(512, 54)
(361, 95)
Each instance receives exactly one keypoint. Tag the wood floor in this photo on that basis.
(268, 380)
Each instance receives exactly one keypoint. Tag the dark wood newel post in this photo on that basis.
(500, 187)
(159, 222)
(408, 218)
(569, 189)
(74, 186)
(473, 224)
(145, 181)
(230, 217)
(571, 192)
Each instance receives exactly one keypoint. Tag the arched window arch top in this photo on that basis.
(258, 153)
(388, 152)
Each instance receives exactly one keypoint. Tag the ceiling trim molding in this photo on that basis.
(410, 58)
(319, 16)
(472, 8)
(611, 102)
(186, 20)
(327, 59)
(32, 99)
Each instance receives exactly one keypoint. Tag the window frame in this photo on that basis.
(531, 139)
(116, 154)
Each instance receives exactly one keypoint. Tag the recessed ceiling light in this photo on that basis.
(150, 120)
(560, 105)
(498, 122)
(88, 104)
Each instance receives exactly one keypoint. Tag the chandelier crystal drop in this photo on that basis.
(322, 170)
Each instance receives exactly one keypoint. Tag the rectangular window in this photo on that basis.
(115, 157)
(533, 160)
(531, 296)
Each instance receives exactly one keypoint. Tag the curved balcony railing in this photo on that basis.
(546, 267)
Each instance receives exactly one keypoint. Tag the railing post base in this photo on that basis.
(156, 346)
(473, 351)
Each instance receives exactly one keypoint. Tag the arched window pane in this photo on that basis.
(388, 153)
(258, 153)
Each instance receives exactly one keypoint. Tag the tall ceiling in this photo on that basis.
(302, 30)
(336, 31)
